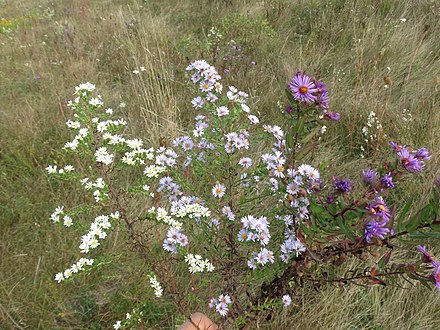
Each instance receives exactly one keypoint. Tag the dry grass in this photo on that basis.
(55, 45)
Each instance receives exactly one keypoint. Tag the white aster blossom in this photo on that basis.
(196, 264)
(154, 283)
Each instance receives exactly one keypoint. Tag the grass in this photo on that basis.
(47, 48)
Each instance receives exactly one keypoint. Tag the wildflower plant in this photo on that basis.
(234, 206)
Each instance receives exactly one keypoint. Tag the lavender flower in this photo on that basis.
(379, 209)
(428, 257)
(422, 154)
(343, 185)
(396, 147)
(370, 177)
(332, 115)
(409, 162)
(376, 228)
(302, 88)
(387, 181)
(323, 98)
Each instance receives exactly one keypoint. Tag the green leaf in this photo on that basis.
(404, 213)
(299, 125)
(424, 235)
(289, 141)
(304, 151)
(290, 96)
(310, 136)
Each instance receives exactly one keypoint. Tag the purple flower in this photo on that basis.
(422, 153)
(288, 109)
(409, 162)
(343, 185)
(395, 146)
(302, 88)
(427, 257)
(375, 228)
(437, 275)
(387, 181)
(323, 99)
(370, 177)
(330, 199)
(379, 209)
(332, 115)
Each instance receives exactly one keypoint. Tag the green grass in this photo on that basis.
(52, 46)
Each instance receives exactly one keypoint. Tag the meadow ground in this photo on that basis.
(376, 55)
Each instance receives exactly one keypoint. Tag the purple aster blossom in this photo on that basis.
(437, 275)
(302, 87)
(422, 153)
(370, 177)
(332, 115)
(343, 185)
(379, 209)
(387, 181)
(427, 257)
(323, 98)
(288, 109)
(409, 162)
(376, 228)
(330, 199)
(197, 102)
(397, 147)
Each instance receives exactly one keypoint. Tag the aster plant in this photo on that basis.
(247, 226)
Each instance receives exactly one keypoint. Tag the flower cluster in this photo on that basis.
(371, 178)
(75, 268)
(378, 210)
(97, 231)
(100, 189)
(53, 169)
(411, 160)
(58, 213)
(221, 304)
(196, 264)
(370, 131)
(154, 283)
(103, 156)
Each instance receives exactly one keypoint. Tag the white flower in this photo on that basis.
(253, 119)
(287, 300)
(117, 325)
(51, 169)
(154, 283)
(95, 102)
(59, 277)
(222, 111)
(67, 221)
(85, 87)
(102, 156)
(245, 108)
(218, 190)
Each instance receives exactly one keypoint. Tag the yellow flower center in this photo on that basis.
(303, 89)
